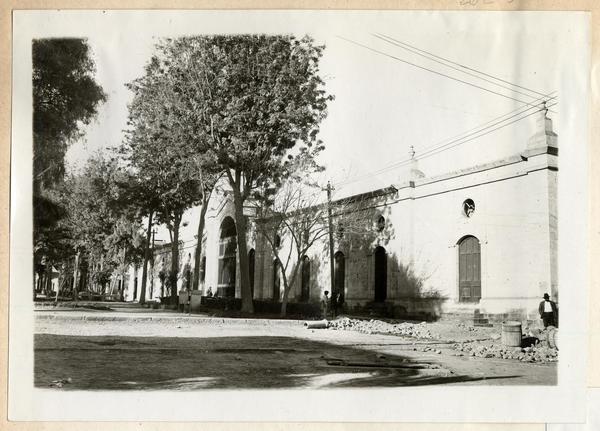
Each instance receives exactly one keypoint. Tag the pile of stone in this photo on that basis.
(466, 327)
(404, 329)
(536, 353)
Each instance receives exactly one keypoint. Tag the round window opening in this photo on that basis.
(380, 223)
(340, 231)
(468, 207)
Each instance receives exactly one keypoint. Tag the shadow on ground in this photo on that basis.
(121, 363)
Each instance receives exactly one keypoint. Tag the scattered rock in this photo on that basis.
(372, 326)
(60, 383)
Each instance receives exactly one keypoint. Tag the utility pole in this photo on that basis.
(331, 262)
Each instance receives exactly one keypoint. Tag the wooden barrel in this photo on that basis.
(511, 334)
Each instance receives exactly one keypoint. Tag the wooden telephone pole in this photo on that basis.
(330, 222)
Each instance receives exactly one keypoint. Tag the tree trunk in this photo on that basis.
(91, 274)
(123, 274)
(135, 283)
(61, 281)
(76, 278)
(198, 255)
(240, 225)
(48, 285)
(173, 275)
(287, 286)
(284, 301)
(145, 267)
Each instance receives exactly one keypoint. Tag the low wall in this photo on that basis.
(304, 309)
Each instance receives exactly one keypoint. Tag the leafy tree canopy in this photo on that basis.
(65, 97)
(253, 102)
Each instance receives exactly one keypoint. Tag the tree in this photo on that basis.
(124, 245)
(159, 154)
(207, 179)
(65, 97)
(295, 218)
(253, 103)
(298, 219)
(100, 227)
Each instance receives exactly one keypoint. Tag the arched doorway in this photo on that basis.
(380, 274)
(251, 263)
(469, 269)
(305, 286)
(339, 275)
(227, 258)
(276, 280)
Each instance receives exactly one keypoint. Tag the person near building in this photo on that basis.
(548, 311)
(325, 304)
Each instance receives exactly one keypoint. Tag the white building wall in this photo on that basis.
(514, 221)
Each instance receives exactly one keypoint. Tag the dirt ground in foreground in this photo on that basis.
(72, 353)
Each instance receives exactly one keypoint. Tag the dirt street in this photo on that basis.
(100, 350)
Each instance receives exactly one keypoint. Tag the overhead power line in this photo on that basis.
(436, 151)
(453, 143)
(410, 47)
(433, 71)
(447, 141)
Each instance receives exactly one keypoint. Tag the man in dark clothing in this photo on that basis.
(548, 311)
(325, 305)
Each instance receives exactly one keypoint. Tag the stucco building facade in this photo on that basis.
(480, 238)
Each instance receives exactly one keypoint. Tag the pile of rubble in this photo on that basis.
(466, 327)
(416, 330)
(536, 353)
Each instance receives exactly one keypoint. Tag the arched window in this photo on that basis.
(469, 269)
(227, 258)
(380, 274)
(339, 275)
(305, 286)
(276, 280)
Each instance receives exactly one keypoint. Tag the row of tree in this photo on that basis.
(66, 97)
(238, 112)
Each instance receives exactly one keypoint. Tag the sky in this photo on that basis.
(382, 105)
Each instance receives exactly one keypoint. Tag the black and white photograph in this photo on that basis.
(264, 212)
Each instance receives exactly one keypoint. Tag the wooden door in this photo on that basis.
(305, 286)
(380, 274)
(469, 269)
(339, 275)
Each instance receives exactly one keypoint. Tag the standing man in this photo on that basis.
(548, 311)
(325, 304)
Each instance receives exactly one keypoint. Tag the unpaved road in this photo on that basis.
(183, 353)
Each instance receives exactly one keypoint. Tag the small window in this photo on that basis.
(380, 224)
(468, 207)
(277, 241)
